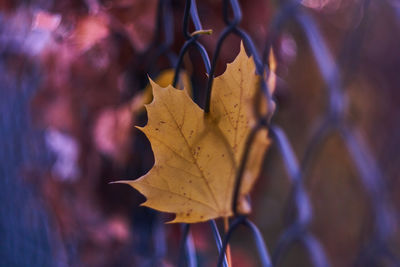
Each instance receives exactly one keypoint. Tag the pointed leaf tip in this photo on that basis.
(153, 86)
(120, 182)
(242, 49)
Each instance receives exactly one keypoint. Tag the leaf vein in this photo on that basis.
(180, 169)
(194, 159)
(183, 196)
(170, 148)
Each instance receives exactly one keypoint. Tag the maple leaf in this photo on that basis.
(197, 154)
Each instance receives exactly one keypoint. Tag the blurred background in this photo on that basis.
(71, 74)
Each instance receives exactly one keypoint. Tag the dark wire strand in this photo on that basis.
(217, 238)
(258, 239)
(331, 121)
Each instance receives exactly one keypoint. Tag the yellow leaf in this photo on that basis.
(196, 154)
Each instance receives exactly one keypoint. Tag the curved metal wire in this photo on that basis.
(218, 240)
(260, 244)
(331, 122)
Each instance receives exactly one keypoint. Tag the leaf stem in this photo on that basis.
(228, 248)
(199, 32)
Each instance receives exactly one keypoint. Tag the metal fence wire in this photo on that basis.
(377, 250)
(37, 245)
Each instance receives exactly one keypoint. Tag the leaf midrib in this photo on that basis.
(194, 159)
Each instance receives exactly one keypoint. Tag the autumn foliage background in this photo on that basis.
(71, 76)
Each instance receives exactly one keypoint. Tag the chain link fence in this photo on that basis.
(336, 73)
(377, 251)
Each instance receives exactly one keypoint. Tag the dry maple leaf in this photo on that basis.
(197, 154)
